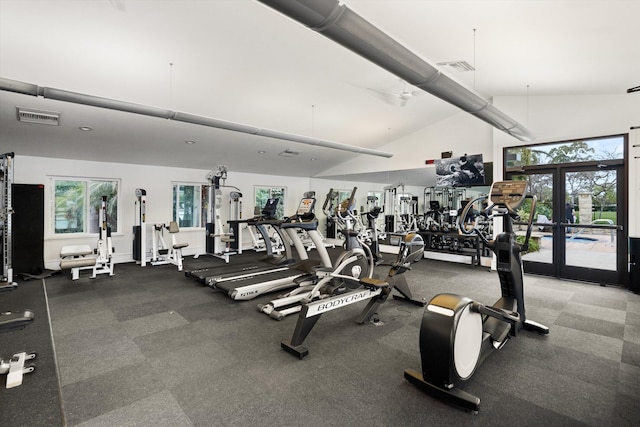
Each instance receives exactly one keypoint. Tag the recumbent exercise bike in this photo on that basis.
(457, 333)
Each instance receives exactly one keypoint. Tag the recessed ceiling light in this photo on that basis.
(261, 152)
(86, 128)
(189, 142)
(313, 159)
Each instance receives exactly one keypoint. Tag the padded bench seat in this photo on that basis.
(75, 251)
(66, 264)
(77, 256)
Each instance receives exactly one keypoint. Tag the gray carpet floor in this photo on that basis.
(150, 346)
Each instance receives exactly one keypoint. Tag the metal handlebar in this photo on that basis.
(502, 211)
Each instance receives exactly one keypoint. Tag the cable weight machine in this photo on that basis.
(219, 243)
(6, 210)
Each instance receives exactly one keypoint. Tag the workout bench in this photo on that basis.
(82, 257)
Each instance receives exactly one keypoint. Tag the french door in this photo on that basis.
(580, 227)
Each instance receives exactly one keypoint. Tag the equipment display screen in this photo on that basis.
(510, 194)
(306, 206)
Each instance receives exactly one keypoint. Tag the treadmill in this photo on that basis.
(265, 263)
(247, 285)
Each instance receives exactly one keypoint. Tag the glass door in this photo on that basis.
(594, 214)
(578, 229)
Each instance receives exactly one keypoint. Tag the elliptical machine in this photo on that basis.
(457, 333)
(354, 263)
(376, 291)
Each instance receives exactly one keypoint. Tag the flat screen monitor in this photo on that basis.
(463, 171)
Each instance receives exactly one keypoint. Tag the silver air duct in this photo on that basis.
(345, 27)
(112, 104)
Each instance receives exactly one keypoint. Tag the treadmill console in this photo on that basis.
(304, 217)
(509, 194)
(270, 208)
(306, 207)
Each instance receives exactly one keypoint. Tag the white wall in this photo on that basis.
(461, 133)
(558, 118)
(551, 119)
(157, 181)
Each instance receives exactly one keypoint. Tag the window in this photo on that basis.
(189, 203)
(261, 194)
(78, 201)
(607, 148)
(374, 198)
(343, 195)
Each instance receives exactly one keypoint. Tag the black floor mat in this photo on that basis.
(37, 401)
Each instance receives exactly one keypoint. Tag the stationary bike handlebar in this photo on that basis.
(532, 213)
(503, 210)
(345, 205)
(465, 212)
(327, 206)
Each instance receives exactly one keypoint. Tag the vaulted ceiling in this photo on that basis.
(241, 61)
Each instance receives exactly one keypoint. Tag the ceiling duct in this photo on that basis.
(113, 104)
(340, 24)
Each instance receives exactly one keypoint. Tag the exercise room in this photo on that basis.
(315, 213)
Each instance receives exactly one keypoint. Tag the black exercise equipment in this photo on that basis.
(15, 367)
(371, 217)
(457, 333)
(6, 214)
(376, 291)
(245, 285)
(352, 264)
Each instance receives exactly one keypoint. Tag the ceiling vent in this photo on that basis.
(457, 66)
(289, 153)
(42, 117)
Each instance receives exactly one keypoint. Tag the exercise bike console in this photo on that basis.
(457, 333)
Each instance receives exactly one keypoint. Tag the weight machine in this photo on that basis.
(392, 219)
(6, 210)
(443, 204)
(15, 366)
(82, 257)
(371, 237)
(219, 243)
(161, 252)
(408, 208)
